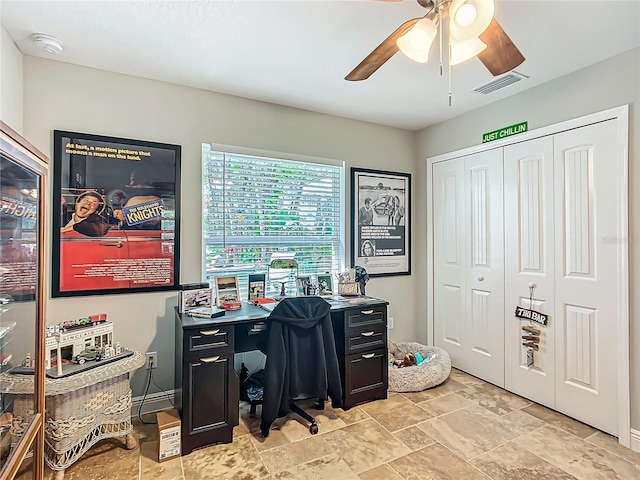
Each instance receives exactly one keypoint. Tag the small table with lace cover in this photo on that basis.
(80, 409)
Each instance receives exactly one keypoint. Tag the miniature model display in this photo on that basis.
(89, 353)
(73, 346)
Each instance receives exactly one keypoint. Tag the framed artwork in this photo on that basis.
(191, 298)
(226, 289)
(303, 282)
(116, 224)
(256, 285)
(381, 222)
(325, 285)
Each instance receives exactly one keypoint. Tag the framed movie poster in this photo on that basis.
(381, 222)
(116, 223)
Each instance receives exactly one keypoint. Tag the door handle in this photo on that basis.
(210, 359)
(117, 245)
(210, 332)
(368, 355)
(366, 334)
(366, 312)
(480, 278)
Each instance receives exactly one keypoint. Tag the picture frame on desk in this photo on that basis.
(226, 289)
(303, 282)
(257, 282)
(381, 222)
(200, 295)
(325, 285)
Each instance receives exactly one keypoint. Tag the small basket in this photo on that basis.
(349, 288)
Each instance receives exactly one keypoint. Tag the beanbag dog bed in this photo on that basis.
(434, 366)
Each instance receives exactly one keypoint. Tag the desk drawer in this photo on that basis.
(365, 317)
(366, 377)
(210, 337)
(368, 339)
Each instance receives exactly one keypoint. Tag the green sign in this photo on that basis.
(505, 132)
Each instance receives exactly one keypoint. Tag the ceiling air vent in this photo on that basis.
(500, 82)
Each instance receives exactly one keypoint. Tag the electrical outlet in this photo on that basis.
(390, 323)
(152, 360)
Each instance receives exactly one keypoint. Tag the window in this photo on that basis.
(256, 209)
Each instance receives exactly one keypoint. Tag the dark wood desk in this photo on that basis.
(207, 385)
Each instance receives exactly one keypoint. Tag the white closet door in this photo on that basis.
(585, 262)
(485, 253)
(529, 259)
(468, 263)
(449, 260)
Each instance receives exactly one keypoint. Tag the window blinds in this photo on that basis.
(255, 207)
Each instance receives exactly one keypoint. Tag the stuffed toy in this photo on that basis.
(409, 360)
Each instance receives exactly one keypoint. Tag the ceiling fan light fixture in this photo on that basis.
(469, 18)
(416, 43)
(466, 14)
(463, 50)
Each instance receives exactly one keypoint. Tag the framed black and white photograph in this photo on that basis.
(325, 285)
(303, 282)
(381, 222)
(116, 205)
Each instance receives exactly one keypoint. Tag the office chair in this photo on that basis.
(301, 360)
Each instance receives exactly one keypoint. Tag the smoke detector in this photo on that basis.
(48, 43)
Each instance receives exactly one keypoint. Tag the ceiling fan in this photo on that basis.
(472, 32)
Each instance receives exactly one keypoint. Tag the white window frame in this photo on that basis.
(275, 155)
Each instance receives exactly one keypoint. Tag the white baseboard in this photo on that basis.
(153, 402)
(635, 440)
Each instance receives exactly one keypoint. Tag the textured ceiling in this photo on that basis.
(296, 53)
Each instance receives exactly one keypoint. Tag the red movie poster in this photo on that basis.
(116, 211)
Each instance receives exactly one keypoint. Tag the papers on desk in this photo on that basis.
(205, 312)
(338, 300)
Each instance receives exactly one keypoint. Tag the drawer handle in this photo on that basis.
(210, 359)
(366, 312)
(368, 355)
(367, 334)
(211, 332)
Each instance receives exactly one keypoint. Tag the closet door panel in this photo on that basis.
(485, 253)
(449, 260)
(586, 273)
(529, 259)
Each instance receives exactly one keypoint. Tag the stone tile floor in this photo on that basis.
(464, 429)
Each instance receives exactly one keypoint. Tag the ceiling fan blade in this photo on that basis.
(380, 54)
(501, 55)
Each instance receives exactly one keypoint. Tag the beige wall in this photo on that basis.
(605, 85)
(94, 101)
(10, 82)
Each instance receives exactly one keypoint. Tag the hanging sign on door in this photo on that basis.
(532, 315)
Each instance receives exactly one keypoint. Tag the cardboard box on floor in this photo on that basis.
(168, 434)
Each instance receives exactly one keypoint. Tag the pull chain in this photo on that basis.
(449, 71)
(440, 25)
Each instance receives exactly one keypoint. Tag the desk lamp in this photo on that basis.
(286, 267)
